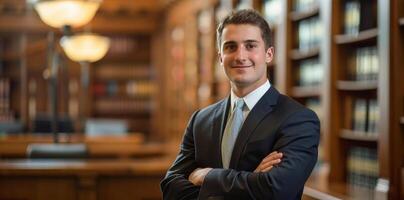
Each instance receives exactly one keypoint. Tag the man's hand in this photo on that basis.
(198, 175)
(269, 161)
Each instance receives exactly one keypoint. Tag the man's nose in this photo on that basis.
(240, 53)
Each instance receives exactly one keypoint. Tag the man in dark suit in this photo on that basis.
(232, 149)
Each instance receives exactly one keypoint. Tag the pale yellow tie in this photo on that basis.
(231, 131)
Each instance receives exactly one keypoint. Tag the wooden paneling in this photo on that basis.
(90, 180)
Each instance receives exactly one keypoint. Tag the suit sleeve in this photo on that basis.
(298, 140)
(175, 184)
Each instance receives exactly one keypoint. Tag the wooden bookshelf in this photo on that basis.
(363, 36)
(122, 84)
(353, 91)
(297, 54)
(358, 136)
(357, 85)
(306, 91)
(20, 62)
(302, 76)
(304, 14)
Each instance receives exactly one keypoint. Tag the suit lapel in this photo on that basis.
(256, 115)
(219, 123)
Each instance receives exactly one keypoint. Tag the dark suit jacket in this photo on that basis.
(275, 123)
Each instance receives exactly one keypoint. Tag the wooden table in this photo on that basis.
(82, 179)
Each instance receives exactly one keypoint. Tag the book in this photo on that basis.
(362, 167)
(365, 116)
(309, 33)
(352, 17)
(373, 117)
(310, 72)
(359, 115)
(359, 15)
(366, 64)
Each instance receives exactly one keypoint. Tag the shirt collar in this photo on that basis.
(252, 98)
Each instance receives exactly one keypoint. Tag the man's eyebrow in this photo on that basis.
(229, 42)
(250, 41)
(234, 42)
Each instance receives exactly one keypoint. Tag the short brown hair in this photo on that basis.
(246, 16)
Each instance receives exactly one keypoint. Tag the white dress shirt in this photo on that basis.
(250, 99)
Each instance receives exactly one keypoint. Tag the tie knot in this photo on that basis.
(239, 104)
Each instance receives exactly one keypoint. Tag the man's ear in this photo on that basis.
(219, 56)
(269, 55)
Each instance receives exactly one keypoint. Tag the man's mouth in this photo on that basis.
(241, 66)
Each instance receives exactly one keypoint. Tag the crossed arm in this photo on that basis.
(274, 158)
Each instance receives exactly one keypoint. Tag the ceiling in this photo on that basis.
(115, 16)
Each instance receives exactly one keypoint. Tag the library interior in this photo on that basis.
(95, 95)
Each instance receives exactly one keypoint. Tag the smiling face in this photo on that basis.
(244, 57)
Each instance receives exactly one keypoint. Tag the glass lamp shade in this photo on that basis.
(58, 13)
(85, 47)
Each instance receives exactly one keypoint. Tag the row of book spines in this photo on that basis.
(4, 95)
(130, 88)
(123, 106)
(365, 116)
(365, 64)
(309, 33)
(362, 167)
(122, 45)
(123, 71)
(362, 180)
(358, 16)
(310, 72)
(300, 5)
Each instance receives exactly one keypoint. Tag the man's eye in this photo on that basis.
(251, 46)
(229, 47)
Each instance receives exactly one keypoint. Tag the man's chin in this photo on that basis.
(240, 82)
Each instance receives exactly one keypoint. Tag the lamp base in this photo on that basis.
(61, 151)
